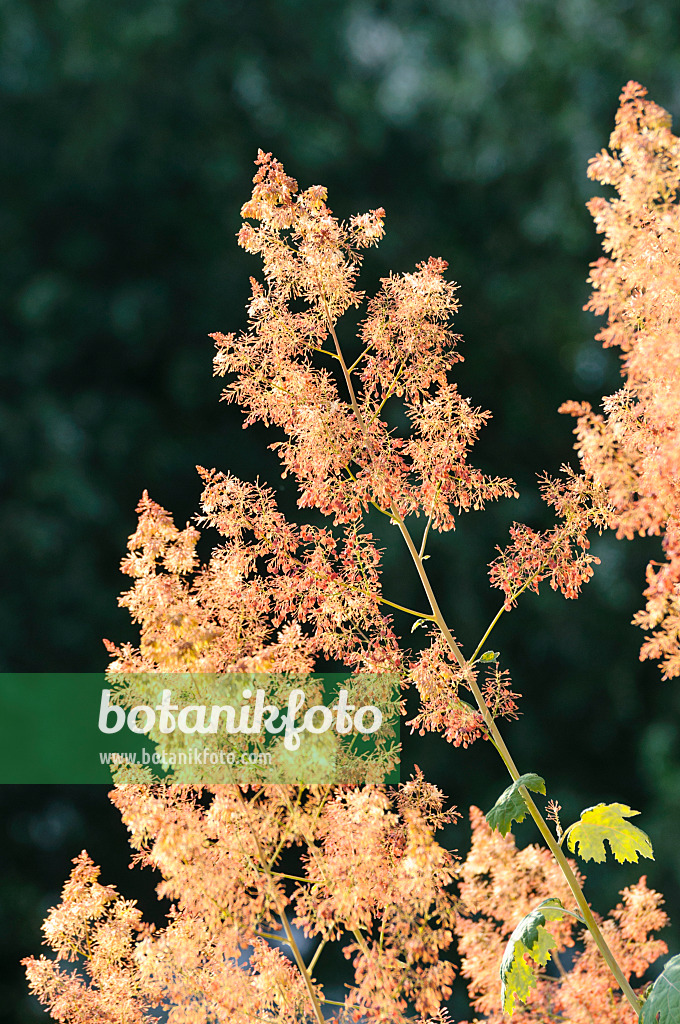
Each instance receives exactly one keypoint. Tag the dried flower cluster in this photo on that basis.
(247, 869)
(560, 554)
(438, 679)
(372, 876)
(632, 450)
(499, 885)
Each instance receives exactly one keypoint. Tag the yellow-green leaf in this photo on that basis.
(529, 938)
(608, 821)
(517, 981)
(510, 805)
(490, 656)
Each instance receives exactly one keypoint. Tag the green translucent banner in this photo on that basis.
(195, 729)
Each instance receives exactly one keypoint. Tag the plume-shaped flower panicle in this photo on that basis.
(632, 448)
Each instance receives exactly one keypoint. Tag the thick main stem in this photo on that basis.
(490, 724)
(290, 938)
(500, 745)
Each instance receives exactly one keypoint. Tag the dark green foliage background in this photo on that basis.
(127, 136)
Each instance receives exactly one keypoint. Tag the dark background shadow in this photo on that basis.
(127, 136)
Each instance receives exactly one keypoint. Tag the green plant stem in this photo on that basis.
(270, 937)
(583, 906)
(428, 524)
(293, 878)
(502, 749)
(491, 726)
(358, 360)
(504, 607)
(317, 954)
(566, 832)
(290, 938)
(425, 616)
(388, 393)
(488, 633)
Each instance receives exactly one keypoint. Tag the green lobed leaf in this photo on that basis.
(510, 805)
(529, 938)
(662, 1006)
(608, 821)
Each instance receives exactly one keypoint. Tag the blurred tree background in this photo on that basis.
(127, 136)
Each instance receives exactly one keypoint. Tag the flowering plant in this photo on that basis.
(250, 869)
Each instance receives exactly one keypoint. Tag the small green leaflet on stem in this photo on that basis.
(662, 1006)
(608, 821)
(511, 805)
(529, 938)
(490, 656)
